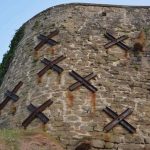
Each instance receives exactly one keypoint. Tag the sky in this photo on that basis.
(13, 13)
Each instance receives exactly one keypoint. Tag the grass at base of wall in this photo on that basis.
(20, 139)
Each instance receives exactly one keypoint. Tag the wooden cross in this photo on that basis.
(82, 81)
(47, 39)
(40, 115)
(117, 41)
(36, 112)
(119, 119)
(51, 65)
(11, 95)
(54, 68)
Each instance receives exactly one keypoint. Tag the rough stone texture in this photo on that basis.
(121, 82)
(98, 144)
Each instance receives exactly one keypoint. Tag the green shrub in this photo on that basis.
(7, 58)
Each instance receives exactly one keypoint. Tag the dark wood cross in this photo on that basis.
(51, 65)
(82, 81)
(119, 119)
(36, 112)
(11, 95)
(47, 39)
(117, 41)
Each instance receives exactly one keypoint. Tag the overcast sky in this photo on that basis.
(13, 13)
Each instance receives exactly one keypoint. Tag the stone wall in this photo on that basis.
(122, 82)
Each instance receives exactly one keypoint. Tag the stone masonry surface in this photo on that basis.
(121, 81)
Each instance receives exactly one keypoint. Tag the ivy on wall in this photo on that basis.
(7, 58)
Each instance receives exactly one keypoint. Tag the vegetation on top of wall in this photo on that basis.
(36, 25)
(7, 58)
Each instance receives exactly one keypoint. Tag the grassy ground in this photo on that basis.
(27, 140)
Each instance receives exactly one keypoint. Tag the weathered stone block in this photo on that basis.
(121, 81)
(98, 143)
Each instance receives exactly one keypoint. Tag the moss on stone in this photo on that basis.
(7, 58)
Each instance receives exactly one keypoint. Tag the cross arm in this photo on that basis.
(4, 103)
(115, 41)
(50, 65)
(27, 121)
(83, 81)
(124, 123)
(11, 95)
(77, 84)
(53, 33)
(122, 45)
(47, 40)
(118, 119)
(55, 68)
(40, 115)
